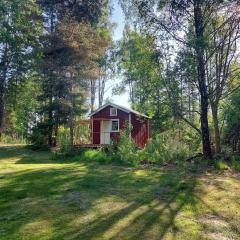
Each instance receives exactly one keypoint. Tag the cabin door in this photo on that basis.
(105, 132)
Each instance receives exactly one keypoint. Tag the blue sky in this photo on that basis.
(118, 18)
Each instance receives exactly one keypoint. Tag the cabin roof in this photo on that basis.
(124, 109)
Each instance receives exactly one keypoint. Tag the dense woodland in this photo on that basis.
(179, 61)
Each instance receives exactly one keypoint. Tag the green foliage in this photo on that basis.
(235, 160)
(236, 165)
(22, 106)
(164, 149)
(20, 30)
(142, 69)
(125, 151)
(95, 155)
(232, 125)
(38, 136)
(63, 137)
(73, 44)
(12, 140)
(66, 153)
(221, 165)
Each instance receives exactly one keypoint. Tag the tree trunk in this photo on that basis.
(199, 47)
(93, 94)
(101, 91)
(71, 132)
(71, 115)
(216, 129)
(50, 122)
(1, 105)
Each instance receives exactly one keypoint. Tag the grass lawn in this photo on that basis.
(41, 198)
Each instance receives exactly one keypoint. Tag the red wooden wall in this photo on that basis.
(140, 130)
(140, 126)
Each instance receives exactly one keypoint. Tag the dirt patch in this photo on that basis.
(218, 236)
(76, 199)
(212, 220)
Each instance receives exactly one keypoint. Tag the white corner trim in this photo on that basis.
(130, 125)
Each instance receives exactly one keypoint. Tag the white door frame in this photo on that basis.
(105, 132)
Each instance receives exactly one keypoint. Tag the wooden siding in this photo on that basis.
(140, 130)
(140, 126)
(96, 131)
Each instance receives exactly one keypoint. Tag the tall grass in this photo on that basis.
(7, 139)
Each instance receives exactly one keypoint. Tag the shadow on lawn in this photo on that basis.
(8, 151)
(23, 154)
(151, 201)
(62, 195)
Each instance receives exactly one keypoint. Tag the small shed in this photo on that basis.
(110, 119)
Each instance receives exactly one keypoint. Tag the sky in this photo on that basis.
(118, 18)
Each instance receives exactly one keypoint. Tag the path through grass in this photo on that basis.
(45, 199)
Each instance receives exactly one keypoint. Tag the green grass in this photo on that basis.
(41, 198)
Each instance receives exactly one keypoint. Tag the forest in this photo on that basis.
(178, 61)
(61, 65)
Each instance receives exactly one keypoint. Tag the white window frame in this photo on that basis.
(111, 114)
(115, 120)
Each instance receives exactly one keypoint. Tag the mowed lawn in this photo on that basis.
(41, 198)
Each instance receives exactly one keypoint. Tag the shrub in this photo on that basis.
(96, 155)
(78, 155)
(63, 137)
(163, 149)
(236, 158)
(236, 165)
(38, 137)
(221, 165)
(236, 162)
(125, 151)
(12, 139)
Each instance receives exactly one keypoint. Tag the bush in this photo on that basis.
(125, 151)
(38, 137)
(12, 140)
(236, 162)
(78, 155)
(63, 137)
(163, 149)
(96, 155)
(221, 165)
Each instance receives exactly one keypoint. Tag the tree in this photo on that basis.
(66, 56)
(20, 27)
(174, 18)
(140, 63)
(80, 46)
(221, 55)
(21, 107)
(232, 123)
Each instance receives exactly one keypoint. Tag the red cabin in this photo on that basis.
(110, 119)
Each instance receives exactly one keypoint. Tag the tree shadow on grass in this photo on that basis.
(151, 201)
(234, 227)
(158, 213)
(22, 154)
(148, 205)
(11, 151)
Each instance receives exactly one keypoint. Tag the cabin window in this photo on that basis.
(115, 126)
(113, 112)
